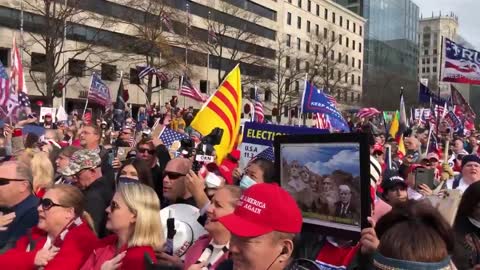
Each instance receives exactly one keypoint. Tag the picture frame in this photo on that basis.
(328, 175)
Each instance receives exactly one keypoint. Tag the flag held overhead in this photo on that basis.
(222, 110)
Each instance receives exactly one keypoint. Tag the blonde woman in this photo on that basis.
(133, 218)
(42, 170)
(63, 238)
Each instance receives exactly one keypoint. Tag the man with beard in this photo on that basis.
(328, 198)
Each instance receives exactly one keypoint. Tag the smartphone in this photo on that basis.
(424, 176)
(112, 154)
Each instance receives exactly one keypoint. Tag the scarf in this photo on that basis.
(207, 253)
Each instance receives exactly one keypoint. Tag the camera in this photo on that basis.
(204, 152)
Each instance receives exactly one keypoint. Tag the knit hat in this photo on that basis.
(470, 158)
(391, 179)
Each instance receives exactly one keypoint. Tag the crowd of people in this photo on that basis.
(70, 200)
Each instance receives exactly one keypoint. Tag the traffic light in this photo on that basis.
(58, 89)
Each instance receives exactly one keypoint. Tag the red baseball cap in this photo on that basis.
(264, 208)
(378, 148)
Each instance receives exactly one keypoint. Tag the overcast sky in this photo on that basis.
(466, 10)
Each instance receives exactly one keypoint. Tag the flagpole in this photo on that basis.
(187, 7)
(303, 94)
(88, 92)
(208, 52)
(63, 57)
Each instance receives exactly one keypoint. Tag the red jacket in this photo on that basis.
(134, 258)
(77, 245)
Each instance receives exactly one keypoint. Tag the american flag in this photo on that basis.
(169, 136)
(367, 112)
(17, 78)
(167, 22)
(331, 99)
(433, 146)
(147, 70)
(16, 103)
(259, 116)
(4, 86)
(322, 121)
(99, 92)
(188, 90)
(440, 111)
(267, 154)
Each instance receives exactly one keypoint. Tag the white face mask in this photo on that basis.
(246, 182)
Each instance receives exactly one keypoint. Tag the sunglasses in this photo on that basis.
(5, 181)
(173, 175)
(144, 150)
(114, 206)
(126, 133)
(47, 204)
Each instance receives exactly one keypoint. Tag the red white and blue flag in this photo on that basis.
(259, 115)
(322, 121)
(99, 92)
(188, 90)
(17, 78)
(462, 65)
(4, 86)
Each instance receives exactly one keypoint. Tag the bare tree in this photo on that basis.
(290, 69)
(56, 19)
(232, 42)
(330, 64)
(153, 27)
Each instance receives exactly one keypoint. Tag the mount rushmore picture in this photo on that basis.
(324, 178)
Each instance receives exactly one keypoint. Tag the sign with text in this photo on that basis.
(258, 139)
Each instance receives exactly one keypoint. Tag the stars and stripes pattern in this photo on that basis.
(259, 115)
(188, 90)
(16, 103)
(267, 154)
(322, 121)
(440, 111)
(169, 136)
(331, 99)
(148, 70)
(367, 112)
(17, 78)
(4, 86)
(99, 92)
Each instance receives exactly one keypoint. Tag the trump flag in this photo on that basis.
(222, 110)
(315, 101)
(462, 65)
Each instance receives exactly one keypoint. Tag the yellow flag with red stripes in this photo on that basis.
(222, 110)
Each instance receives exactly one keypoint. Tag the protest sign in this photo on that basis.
(44, 111)
(258, 139)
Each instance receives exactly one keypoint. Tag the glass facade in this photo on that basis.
(391, 51)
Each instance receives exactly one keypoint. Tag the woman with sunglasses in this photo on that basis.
(133, 171)
(133, 218)
(63, 238)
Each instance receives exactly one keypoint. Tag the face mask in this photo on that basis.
(127, 180)
(246, 182)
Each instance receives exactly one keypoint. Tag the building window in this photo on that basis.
(268, 95)
(325, 32)
(134, 76)
(333, 17)
(359, 47)
(423, 61)
(324, 71)
(358, 97)
(309, 5)
(300, 3)
(359, 64)
(318, 10)
(351, 97)
(308, 26)
(353, 62)
(4, 56)
(287, 61)
(307, 66)
(358, 80)
(360, 30)
(341, 21)
(297, 86)
(346, 59)
(299, 44)
(76, 67)
(38, 62)
(109, 72)
(324, 51)
(339, 57)
(326, 14)
(353, 44)
(348, 24)
(354, 27)
(289, 18)
(346, 77)
(307, 46)
(435, 60)
(435, 52)
(331, 74)
(434, 69)
(347, 43)
(345, 96)
(316, 49)
(317, 30)
(332, 55)
(340, 37)
(423, 70)
(428, 69)
(425, 52)
(299, 22)
(353, 79)
(289, 40)
(333, 36)
(428, 60)
(297, 64)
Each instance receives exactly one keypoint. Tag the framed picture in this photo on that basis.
(328, 175)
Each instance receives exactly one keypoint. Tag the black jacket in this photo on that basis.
(465, 254)
(98, 196)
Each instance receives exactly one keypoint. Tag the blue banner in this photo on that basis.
(315, 101)
(425, 94)
(264, 134)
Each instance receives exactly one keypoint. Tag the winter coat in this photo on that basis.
(196, 250)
